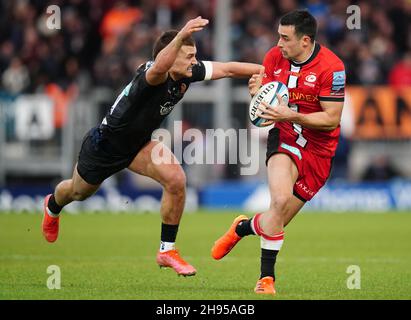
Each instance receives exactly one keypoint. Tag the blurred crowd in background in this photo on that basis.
(102, 42)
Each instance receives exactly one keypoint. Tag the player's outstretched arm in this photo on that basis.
(158, 72)
(234, 69)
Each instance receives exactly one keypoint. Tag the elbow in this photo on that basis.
(159, 68)
(162, 64)
(333, 123)
(333, 126)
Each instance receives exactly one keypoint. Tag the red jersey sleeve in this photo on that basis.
(333, 84)
(269, 64)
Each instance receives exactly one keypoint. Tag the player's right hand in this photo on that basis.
(192, 26)
(255, 82)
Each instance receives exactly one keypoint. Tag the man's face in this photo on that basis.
(290, 45)
(186, 59)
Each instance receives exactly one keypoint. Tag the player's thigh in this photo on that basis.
(282, 175)
(157, 161)
(81, 187)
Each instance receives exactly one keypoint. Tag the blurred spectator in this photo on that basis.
(118, 20)
(16, 78)
(400, 74)
(369, 68)
(380, 169)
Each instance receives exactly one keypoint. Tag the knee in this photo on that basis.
(279, 203)
(175, 182)
(79, 196)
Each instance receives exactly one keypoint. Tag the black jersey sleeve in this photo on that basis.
(139, 84)
(202, 71)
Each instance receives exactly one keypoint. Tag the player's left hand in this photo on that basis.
(193, 25)
(277, 114)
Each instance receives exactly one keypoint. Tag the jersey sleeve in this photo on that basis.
(139, 84)
(333, 84)
(268, 64)
(203, 70)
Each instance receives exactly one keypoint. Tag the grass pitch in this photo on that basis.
(112, 256)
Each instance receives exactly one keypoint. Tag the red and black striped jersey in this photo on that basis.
(320, 78)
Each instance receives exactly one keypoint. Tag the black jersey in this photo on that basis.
(141, 108)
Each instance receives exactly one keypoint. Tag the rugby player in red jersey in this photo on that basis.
(301, 146)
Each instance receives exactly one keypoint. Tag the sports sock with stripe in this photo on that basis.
(168, 237)
(268, 258)
(53, 207)
(270, 246)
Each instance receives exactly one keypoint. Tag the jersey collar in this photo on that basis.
(317, 48)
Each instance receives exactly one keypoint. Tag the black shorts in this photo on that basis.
(98, 160)
(273, 142)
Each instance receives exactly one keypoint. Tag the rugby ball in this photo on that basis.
(267, 93)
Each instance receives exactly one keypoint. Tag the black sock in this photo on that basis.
(268, 258)
(244, 228)
(53, 206)
(169, 232)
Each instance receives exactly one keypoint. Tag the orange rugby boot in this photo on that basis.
(227, 242)
(265, 286)
(50, 224)
(172, 259)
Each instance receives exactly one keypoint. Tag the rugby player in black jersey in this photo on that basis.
(123, 138)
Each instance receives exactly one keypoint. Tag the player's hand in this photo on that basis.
(277, 114)
(255, 82)
(193, 25)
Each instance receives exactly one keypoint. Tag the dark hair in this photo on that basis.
(166, 38)
(303, 21)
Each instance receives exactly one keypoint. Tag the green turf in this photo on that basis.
(109, 256)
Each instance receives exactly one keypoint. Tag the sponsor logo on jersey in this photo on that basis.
(304, 188)
(166, 108)
(338, 81)
(310, 78)
(277, 72)
(292, 73)
(295, 95)
(308, 84)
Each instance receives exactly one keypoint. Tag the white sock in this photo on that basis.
(51, 214)
(271, 244)
(167, 246)
(274, 242)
